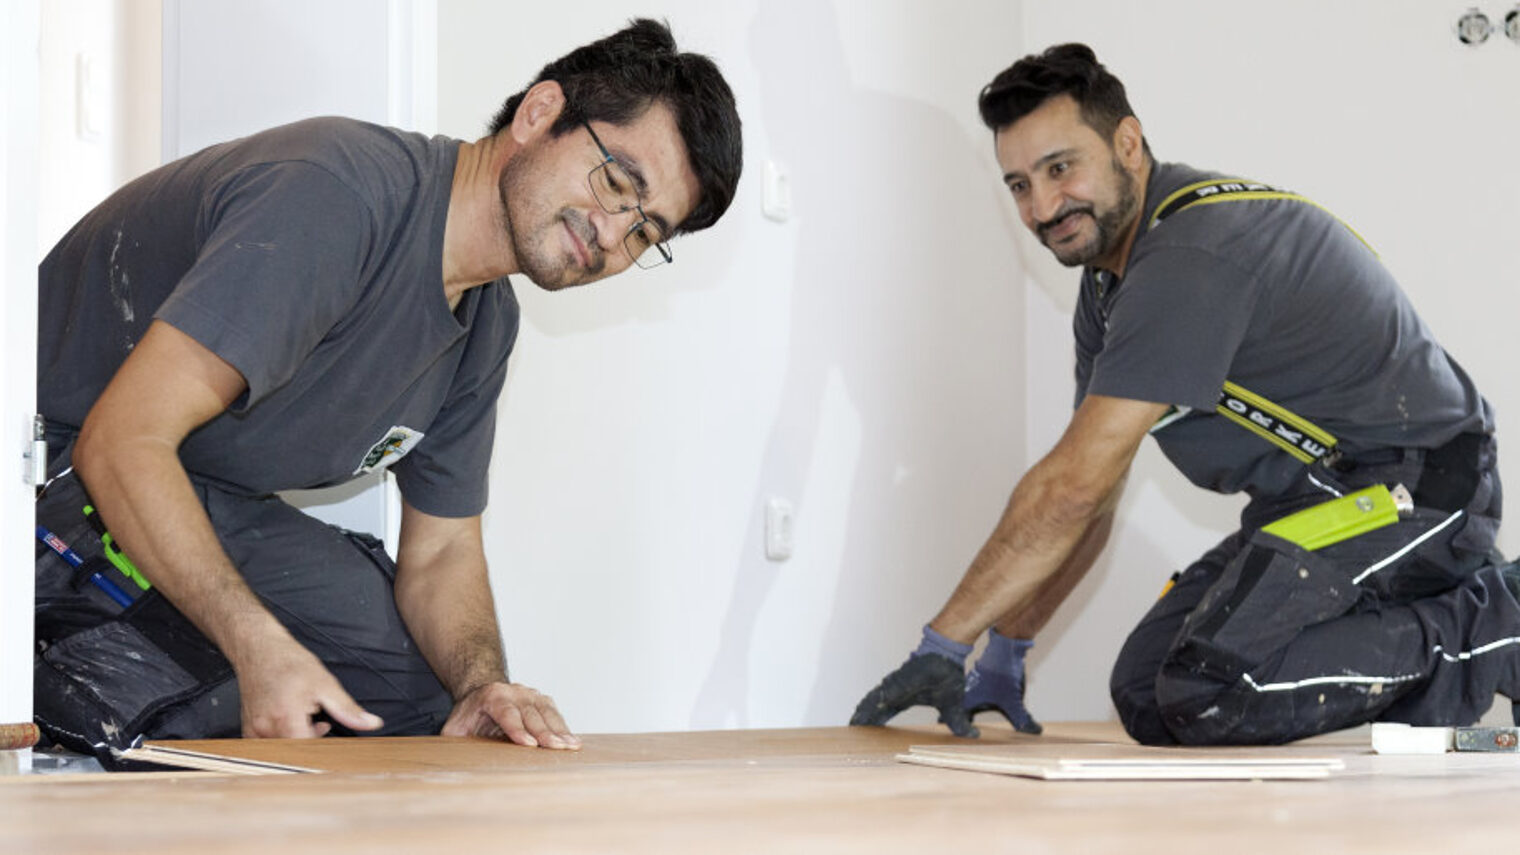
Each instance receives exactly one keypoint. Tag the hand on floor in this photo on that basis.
(513, 711)
(928, 679)
(997, 682)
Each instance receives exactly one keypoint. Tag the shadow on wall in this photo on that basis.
(890, 299)
(1069, 667)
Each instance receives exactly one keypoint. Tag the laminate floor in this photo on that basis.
(784, 791)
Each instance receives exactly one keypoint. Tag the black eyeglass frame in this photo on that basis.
(608, 161)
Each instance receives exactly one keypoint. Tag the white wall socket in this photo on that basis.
(776, 192)
(778, 529)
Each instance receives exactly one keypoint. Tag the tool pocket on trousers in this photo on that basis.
(102, 687)
(67, 600)
(1409, 560)
(1266, 596)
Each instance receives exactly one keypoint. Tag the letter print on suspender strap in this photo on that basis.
(1232, 190)
(1277, 424)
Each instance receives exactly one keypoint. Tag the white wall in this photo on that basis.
(1372, 108)
(99, 99)
(861, 360)
(234, 68)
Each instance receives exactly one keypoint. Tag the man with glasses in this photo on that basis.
(617, 193)
(303, 306)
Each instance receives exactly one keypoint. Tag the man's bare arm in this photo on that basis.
(1056, 508)
(1027, 622)
(127, 456)
(444, 594)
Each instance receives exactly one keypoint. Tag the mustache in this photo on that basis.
(1074, 208)
(587, 233)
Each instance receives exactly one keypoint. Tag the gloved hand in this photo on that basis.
(934, 675)
(997, 682)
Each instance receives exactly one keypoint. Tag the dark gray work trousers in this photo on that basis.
(105, 675)
(1263, 642)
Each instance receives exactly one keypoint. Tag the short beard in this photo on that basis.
(547, 270)
(1111, 224)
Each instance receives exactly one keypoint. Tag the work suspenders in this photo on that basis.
(1277, 424)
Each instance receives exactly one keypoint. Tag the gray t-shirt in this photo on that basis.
(1281, 298)
(310, 258)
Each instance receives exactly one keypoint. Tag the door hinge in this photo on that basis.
(35, 456)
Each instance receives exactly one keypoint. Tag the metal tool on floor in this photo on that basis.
(1395, 738)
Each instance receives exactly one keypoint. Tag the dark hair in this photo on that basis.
(617, 78)
(1069, 69)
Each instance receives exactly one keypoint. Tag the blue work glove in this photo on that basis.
(934, 675)
(997, 682)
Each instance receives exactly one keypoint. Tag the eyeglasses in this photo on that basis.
(616, 192)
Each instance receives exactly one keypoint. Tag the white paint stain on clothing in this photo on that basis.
(121, 283)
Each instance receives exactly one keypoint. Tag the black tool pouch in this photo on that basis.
(1266, 596)
(104, 675)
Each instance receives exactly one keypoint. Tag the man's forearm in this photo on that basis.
(1039, 532)
(1028, 621)
(1050, 515)
(127, 456)
(447, 606)
(145, 497)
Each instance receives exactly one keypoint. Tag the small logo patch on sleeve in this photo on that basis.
(394, 446)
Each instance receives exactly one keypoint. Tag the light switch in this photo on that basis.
(89, 98)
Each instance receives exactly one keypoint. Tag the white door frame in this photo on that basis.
(20, 31)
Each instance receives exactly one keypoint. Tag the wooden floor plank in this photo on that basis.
(412, 754)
